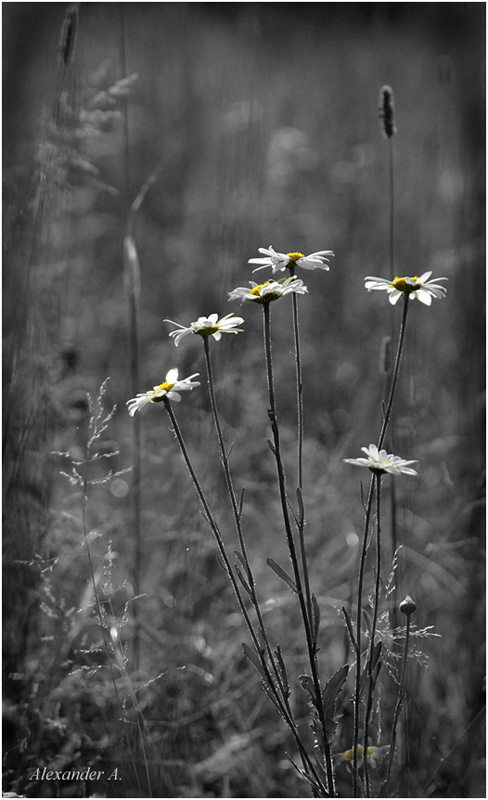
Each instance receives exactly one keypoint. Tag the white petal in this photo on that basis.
(395, 296)
(424, 277)
(171, 376)
(424, 297)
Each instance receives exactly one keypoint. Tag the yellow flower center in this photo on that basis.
(350, 753)
(405, 284)
(207, 331)
(268, 297)
(381, 464)
(164, 387)
(294, 256)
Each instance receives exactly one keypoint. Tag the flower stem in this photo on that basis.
(237, 514)
(300, 428)
(278, 697)
(396, 370)
(357, 690)
(371, 664)
(398, 707)
(291, 547)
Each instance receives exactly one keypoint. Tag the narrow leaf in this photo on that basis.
(271, 446)
(243, 581)
(280, 572)
(332, 689)
(301, 510)
(245, 564)
(222, 565)
(254, 659)
(282, 670)
(241, 502)
(350, 630)
(262, 639)
(315, 619)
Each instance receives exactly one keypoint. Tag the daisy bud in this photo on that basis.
(408, 606)
(387, 111)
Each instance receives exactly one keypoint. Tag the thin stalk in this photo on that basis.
(300, 428)
(392, 209)
(291, 545)
(223, 455)
(235, 510)
(398, 707)
(283, 707)
(396, 370)
(377, 478)
(357, 690)
(393, 503)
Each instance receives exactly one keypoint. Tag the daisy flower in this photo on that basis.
(373, 754)
(421, 288)
(268, 291)
(170, 389)
(382, 461)
(208, 326)
(280, 261)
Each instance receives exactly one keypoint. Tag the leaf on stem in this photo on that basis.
(243, 581)
(329, 698)
(254, 659)
(301, 510)
(280, 572)
(262, 639)
(271, 446)
(315, 619)
(241, 502)
(245, 564)
(220, 560)
(282, 670)
(350, 630)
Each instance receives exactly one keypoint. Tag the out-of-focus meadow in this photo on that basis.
(259, 124)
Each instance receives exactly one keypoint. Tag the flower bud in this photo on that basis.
(408, 606)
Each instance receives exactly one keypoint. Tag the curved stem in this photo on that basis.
(291, 546)
(396, 370)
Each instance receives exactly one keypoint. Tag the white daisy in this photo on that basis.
(268, 291)
(280, 261)
(208, 326)
(169, 389)
(382, 461)
(421, 288)
(372, 755)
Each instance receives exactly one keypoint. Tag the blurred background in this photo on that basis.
(257, 124)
